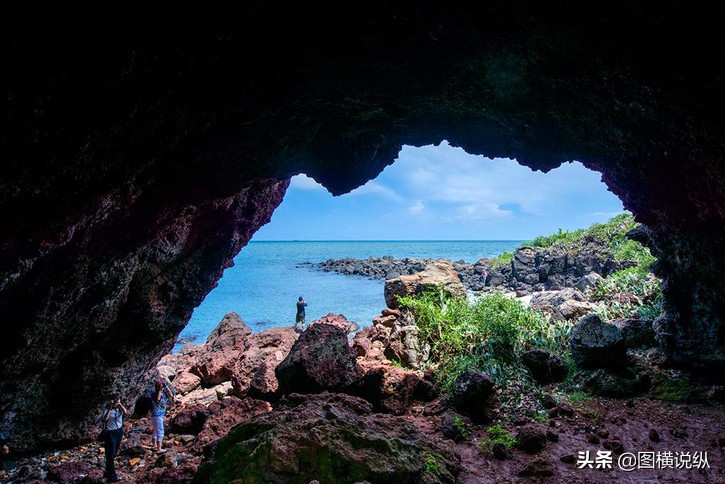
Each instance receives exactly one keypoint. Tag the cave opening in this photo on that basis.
(434, 201)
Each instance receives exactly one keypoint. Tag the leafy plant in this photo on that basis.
(463, 428)
(496, 434)
(487, 333)
(502, 260)
(432, 463)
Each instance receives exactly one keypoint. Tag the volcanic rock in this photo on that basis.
(224, 415)
(436, 275)
(189, 420)
(543, 366)
(329, 438)
(215, 362)
(566, 304)
(531, 438)
(472, 395)
(320, 359)
(637, 333)
(595, 344)
(254, 371)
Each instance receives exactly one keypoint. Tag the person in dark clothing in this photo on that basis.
(113, 426)
(300, 318)
(4, 450)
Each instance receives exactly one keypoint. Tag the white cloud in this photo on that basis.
(474, 187)
(373, 188)
(417, 208)
(304, 182)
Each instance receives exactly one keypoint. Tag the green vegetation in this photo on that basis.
(463, 428)
(432, 463)
(496, 434)
(487, 334)
(612, 233)
(502, 260)
(630, 292)
(578, 396)
(670, 389)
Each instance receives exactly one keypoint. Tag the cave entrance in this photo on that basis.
(435, 201)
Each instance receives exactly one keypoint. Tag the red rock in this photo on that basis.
(390, 389)
(254, 370)
(321, 359)
(190, 420)
(337, 320)
(186, 382)
(231, 412)
(391, 312)
(215, 362)
(342, 429)
(362, 343)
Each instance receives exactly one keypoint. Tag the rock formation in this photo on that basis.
(436, 275)
(143, 148)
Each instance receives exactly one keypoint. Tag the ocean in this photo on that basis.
(265, 282)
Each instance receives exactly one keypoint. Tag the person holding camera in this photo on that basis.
(112, 434)
(158, 413)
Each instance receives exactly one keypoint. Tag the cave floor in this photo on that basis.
(597, 424)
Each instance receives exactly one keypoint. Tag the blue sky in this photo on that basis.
(443, 193)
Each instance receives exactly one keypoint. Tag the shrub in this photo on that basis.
(487, 333)
(633, 281)
(496, 434)
(502, 260)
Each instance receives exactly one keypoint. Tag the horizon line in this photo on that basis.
(391, 240)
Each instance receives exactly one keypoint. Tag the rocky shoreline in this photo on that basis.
(334, 405)
(530, 269)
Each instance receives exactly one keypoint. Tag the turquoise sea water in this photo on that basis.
(265, 282)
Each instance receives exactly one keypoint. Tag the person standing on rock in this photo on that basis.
(300, 318)
(158, 413)
(113, 433)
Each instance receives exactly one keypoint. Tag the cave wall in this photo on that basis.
(142, 145)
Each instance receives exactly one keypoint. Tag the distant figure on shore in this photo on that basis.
(113, 433)
(300, 318)
(158, 413)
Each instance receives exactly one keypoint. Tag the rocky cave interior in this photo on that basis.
(141, 153)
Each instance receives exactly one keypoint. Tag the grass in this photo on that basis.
(502, 260)
(629, 292)
(487, 334)
(496, 434)
(636, 281)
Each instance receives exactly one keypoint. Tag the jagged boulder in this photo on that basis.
(329, 438)
(588, 282)
(338, 320)
(215, 362)
(637, 333)
(563, 305)
(224, 415)
(254, 370)
(596, 344)
(472, 395)
(436, 274)
(390, 389)
(321, 359)
(190, 420)
(543, 366)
